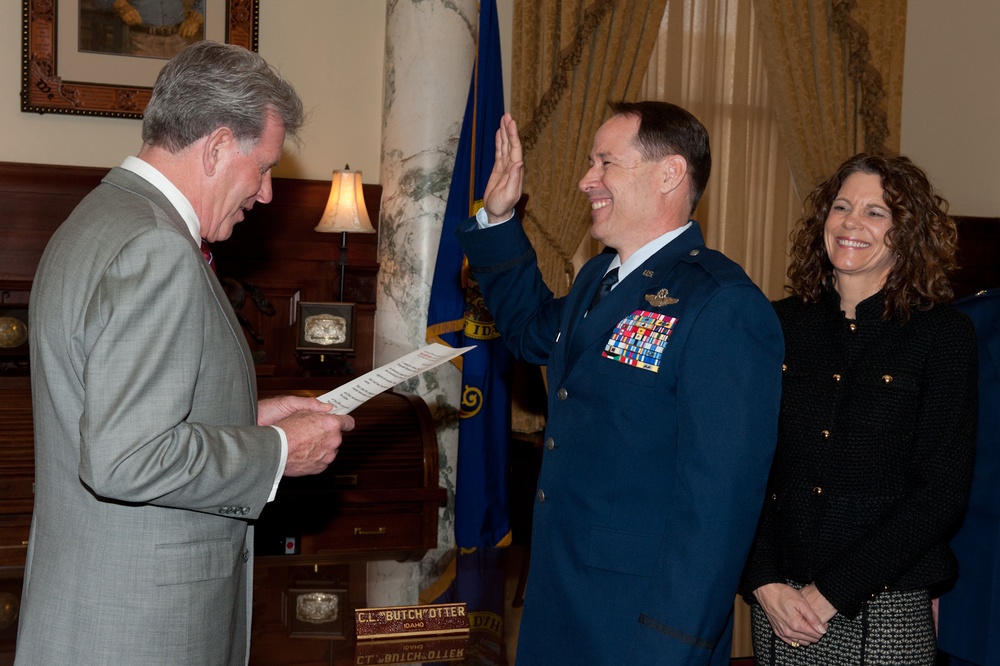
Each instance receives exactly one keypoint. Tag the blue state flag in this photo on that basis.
(457, 316)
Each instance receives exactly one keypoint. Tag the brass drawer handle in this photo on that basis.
(360, 531)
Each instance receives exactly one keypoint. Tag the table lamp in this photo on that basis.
(345, 213)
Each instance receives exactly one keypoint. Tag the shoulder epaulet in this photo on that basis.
(982, 294)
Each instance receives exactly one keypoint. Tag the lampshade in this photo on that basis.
(345, 210)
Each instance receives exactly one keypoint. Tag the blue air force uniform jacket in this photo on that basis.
(662, 419)
(969, 625)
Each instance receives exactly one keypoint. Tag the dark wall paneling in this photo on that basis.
(274, 250)
(978, 254)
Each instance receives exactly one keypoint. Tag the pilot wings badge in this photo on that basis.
(660, 298)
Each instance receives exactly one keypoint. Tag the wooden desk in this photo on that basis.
(381, 493)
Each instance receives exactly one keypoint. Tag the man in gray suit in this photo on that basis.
(151, 450)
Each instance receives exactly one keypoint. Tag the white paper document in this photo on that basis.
(357, 391)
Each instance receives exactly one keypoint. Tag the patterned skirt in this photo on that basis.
(894, 629)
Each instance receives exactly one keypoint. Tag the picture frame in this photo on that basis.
(325, 327)
(316, 612)
(57, 78)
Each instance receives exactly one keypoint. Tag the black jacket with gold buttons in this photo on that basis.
(876, 441)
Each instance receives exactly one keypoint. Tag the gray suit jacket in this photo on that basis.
(148, 460)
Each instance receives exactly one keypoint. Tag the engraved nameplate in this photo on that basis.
(423, 620)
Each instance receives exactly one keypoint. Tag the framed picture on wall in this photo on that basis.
(325, 327)
(84, 57)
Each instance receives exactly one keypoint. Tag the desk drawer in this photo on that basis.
(380, 529)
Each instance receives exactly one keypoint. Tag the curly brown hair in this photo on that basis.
(923, 237)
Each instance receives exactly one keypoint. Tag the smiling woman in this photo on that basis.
(920, 237)
(860, 500)
(856, 239)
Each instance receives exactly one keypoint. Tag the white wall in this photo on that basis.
(951, 100)
(331, 50)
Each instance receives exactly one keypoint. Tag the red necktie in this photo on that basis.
(206, 252)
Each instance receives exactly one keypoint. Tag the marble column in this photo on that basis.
(430, 54)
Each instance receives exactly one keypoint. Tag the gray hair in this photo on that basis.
(210, 85)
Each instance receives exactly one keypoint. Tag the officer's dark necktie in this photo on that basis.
(609, 280)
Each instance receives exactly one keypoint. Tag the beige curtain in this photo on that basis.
(708, 60)
(570, 58)
(836, 69)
